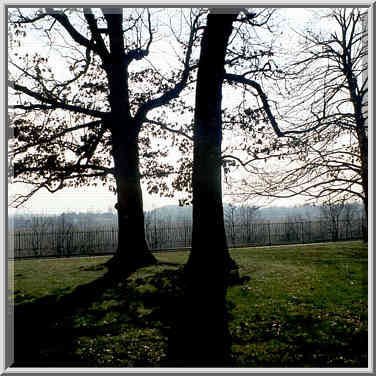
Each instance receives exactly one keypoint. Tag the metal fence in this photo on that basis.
(75, 242)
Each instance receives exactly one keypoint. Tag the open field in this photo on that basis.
(304, 306)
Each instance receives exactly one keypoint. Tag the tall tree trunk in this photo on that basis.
(360, 121)
(208, 222)
(363, 146)
(132, 251)
(363, 149)
(202, 334)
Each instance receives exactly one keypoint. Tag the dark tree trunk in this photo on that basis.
(360, 123)
(202, 336)
(363, 145)
(208, 222)
(364, 174)
(132, 251)
(363, 152)
(363, 148)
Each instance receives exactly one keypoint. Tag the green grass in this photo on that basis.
(304, 306)
(36, 278)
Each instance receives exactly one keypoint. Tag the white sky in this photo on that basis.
(99, 198)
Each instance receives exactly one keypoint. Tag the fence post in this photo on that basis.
(270, 238)
(302, 229)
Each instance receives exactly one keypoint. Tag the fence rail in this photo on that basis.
(75, 242)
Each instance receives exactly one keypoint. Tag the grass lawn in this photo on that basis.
(304, 306)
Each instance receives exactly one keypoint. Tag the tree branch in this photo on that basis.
(55, 103)
(62, 18)
(164, 126)
(96, 34)
(263, 97)
(177, 89)
(71, 129)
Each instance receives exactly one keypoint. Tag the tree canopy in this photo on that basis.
(61, 102)
(313, 98)
(322, 94)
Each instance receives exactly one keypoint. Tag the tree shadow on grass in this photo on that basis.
(39, 339)
(110, 322)
(129, 322)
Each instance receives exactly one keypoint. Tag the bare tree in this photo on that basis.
(231, 221)
(325, 85)
(351, 214)
(332, 212)
(64, 231)
(39, 226)
(247, 214)
(238, 221)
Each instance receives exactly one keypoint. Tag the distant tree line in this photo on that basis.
(180, 216)
(88, 233)
(54, 221)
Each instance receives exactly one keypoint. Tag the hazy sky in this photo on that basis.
(83, 199)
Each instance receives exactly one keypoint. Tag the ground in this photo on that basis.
(303, 306)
